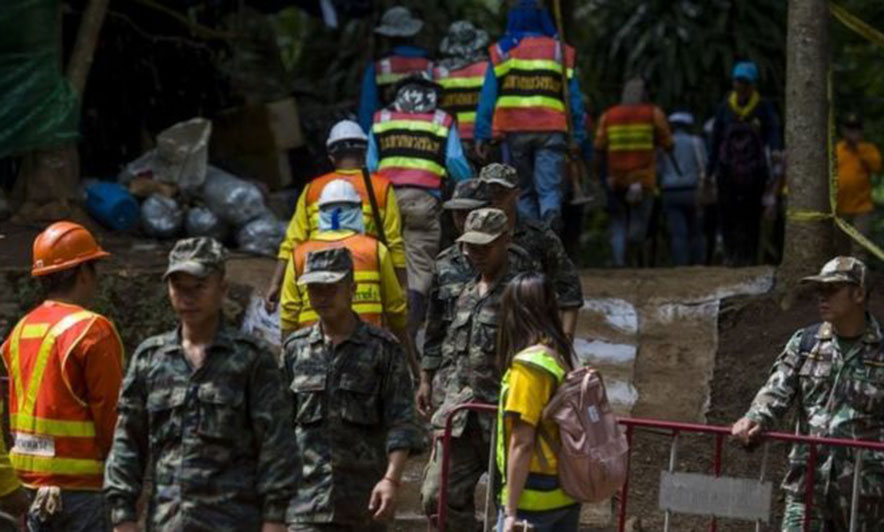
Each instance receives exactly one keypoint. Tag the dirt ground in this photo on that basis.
(752, 331)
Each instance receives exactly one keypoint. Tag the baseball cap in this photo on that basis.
(501, 174)
(326, 266)
(484, 226)
(469, 194)
(746, 70)
(199, 256)
(853, 120)
(840, 270)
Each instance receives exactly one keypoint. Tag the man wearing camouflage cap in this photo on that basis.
(541, 242)
(354, 411)
(453, 271)
(203, 412)
(834, 372)
(468, 356)
(461, 73)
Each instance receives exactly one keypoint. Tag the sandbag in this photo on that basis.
(200, 221)
(232, 199)
(261, 236)
(161, 217)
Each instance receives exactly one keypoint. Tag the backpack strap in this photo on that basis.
(808, 340)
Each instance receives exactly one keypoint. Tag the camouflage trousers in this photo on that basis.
(469, 460)
(832, 515)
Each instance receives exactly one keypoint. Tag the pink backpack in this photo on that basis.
(593, 455)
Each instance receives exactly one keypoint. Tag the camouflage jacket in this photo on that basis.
(354, 404)
(544, 246)
(216, 441)
(839, 395)
(469, 353)
(453, 272)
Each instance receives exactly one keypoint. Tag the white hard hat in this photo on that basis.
(339, 191)
(346, 130)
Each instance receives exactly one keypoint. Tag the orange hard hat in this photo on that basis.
(64, 245)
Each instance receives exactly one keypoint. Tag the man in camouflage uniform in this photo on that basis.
(469, 358)
(354, 411)
(203, 412)
(834, 372)
(453, 272)
(541, 242)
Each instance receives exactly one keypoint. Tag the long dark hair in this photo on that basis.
(529, 316)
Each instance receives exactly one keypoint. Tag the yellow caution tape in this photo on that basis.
(857, 25)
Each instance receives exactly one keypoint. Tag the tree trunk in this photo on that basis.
(50, 176)
(808, 244)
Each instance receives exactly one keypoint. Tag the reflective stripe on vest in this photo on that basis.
(381, 188)
(412, 147)
(530, 500)
(392, 69)
(40, 442)
(530, 92)
(630, 132)
(368, 300)
(460, 94)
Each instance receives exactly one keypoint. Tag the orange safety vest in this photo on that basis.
(460, 94)
(367, 302)
(390, 70)
(631, 148)
(530, 92)
(52, 429)
(381, 188)
(412, 147)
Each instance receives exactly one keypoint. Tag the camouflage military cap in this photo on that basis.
(484, 226)
(501, 174)
(463, 38)
(468, 195)
(840, 270)
(199, 256)
(326, 266)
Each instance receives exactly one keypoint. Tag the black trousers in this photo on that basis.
(740, 218)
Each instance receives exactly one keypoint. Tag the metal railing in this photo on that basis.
(674, 429)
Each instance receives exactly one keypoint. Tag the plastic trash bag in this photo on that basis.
(261, 324)
(234, 200)
(261, 236)
(182, 154)
(200, 221)
(161, 217)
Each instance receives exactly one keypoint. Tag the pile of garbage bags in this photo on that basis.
(185, 196)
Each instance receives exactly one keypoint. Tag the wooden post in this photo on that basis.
(808, 244)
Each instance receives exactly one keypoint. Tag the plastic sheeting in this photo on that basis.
(235, 201)
(38, 107)
(261, 236)
(161, 217)
(200, 221)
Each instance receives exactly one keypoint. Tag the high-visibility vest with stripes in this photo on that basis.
(530, 500)
(530, 95)
(52, 429)
(381, 188)
(630, 133)
(460, 94)
(390, 70)
(368, 301)
(412, 147)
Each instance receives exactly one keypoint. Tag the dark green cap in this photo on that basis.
(326, 266)
(199, 256)
(468, 195)
(484, 226)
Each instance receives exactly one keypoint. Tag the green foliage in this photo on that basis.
(685, 49)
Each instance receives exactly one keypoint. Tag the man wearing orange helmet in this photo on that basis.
(65, 370)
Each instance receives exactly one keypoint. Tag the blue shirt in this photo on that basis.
(456, 163)
(689, 151)
(488, 100)
(369, 97)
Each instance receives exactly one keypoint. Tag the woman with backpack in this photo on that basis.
(534, 354)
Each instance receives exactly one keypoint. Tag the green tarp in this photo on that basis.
(38, 107)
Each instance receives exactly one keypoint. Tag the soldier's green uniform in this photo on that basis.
(214, 440)
(468, 361)
(838, 387)
(354, 405)
(541, 243)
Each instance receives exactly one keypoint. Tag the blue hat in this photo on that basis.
(746, 70)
